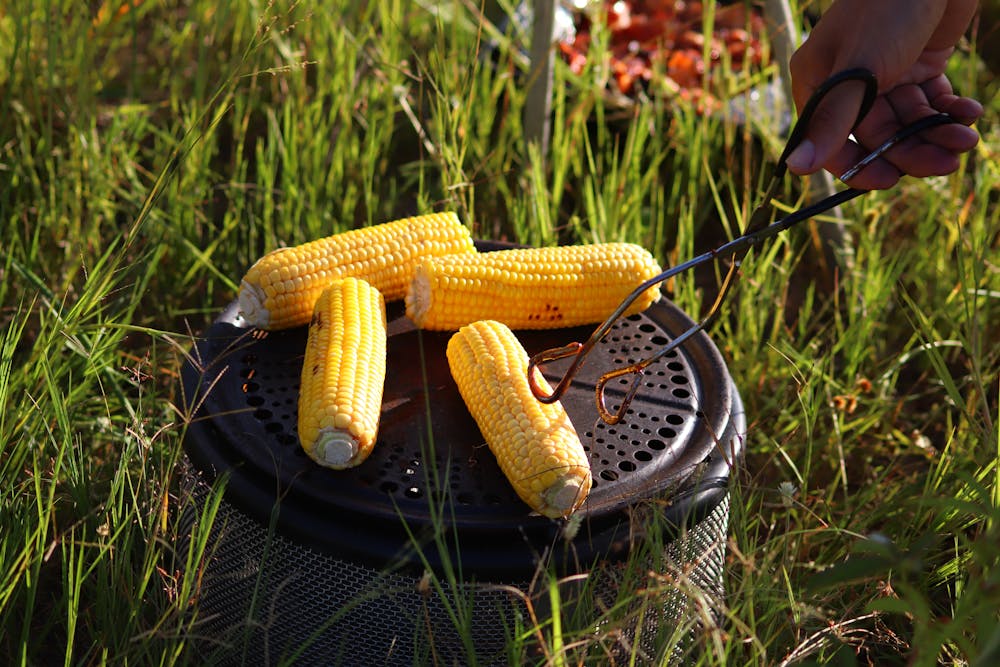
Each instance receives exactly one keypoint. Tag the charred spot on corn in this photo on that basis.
(550, 313)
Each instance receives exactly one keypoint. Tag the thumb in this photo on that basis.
(829, 128)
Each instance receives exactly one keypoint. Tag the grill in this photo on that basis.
(330, 567)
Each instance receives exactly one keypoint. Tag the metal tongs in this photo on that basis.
(757, 230)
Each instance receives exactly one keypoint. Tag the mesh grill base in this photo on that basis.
(680, 600)
(267, 600)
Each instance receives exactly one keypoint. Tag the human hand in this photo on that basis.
(906, 44)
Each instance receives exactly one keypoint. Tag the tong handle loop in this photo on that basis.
(761, 215)
(801, 126)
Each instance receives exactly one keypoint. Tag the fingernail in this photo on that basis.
(801, 159)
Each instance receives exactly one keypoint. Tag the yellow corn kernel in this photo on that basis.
(535, 443)
(279, 290)
(530, 288)
(343, 374)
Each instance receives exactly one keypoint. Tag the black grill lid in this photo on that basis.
(681, 434)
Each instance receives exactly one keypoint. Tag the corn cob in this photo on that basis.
(535, 443)
(279, 290)
(530, 288)
(343, 374)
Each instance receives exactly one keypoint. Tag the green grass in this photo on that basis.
(147, 158)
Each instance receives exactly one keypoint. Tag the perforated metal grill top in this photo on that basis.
(676, 441)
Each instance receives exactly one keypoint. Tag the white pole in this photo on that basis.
(538, 104)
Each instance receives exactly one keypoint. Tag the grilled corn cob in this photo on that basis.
(530, 288)
(279, 290)
(535, 443)
(343, 374)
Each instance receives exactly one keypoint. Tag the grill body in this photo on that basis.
(270, 600)
(314, 566)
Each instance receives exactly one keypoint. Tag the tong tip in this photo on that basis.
(609, 417)
(553, 354)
